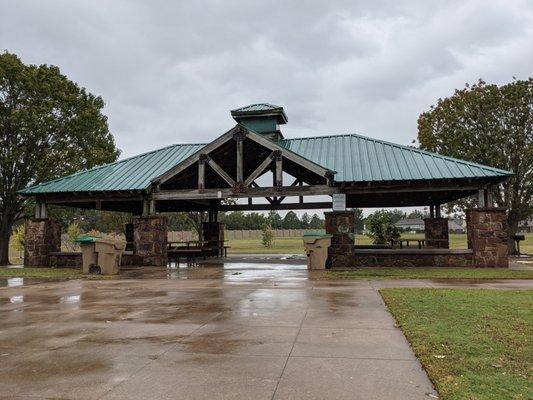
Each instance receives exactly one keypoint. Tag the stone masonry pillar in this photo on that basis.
(437, 228)
(487, 235)
(341, 225)
(213, 232)
(150, 240)
(43, 236)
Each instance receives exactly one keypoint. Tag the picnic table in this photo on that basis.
(190, 249)
(421, 242)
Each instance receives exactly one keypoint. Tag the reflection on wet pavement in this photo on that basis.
(237, 330)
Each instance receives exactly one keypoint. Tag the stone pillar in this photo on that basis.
(212, 231)
(43, 236)
(341, 225)
(150, 240)
(487, 234)
(437, 228)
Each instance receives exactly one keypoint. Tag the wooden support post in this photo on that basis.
(481, 198)
(432, 211)
(301, 198)
(240, 160)
(201, 171)
(279, 169)
(489, 201)
(40, 210)
(146, 207)
(151, 207)
(437, 211)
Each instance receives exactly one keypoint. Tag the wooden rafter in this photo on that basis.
(286, 191)
(259, 170)
(241, 130)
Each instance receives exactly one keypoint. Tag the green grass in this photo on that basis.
(474, 344)
(47, 273)
(294, 245)
(430, 273)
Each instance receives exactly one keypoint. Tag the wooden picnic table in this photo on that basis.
(421, 242)
(205, 245)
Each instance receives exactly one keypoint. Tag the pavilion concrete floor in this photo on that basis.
(246, 331)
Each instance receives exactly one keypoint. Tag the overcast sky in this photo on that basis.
(169, 72)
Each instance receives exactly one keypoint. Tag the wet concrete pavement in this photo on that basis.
(263, 331)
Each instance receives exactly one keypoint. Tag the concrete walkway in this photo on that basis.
(264, 331)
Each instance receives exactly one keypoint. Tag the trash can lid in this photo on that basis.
(87, 239)
(316, 234)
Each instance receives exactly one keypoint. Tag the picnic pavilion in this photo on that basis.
(254, 163)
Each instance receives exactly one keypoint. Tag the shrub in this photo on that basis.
(18, 237)
(381, 228)
(267, 236)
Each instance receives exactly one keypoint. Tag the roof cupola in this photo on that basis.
(262, 118)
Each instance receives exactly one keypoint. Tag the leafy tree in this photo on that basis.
(305, 221)
(49, 127)
(291, 221)
(381, 227)
(359, 220)
(275, 219)
(417, 214)
(316, 222)
(267, 236)
(490, 125)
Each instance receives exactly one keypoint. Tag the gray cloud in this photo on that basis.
(171, 71)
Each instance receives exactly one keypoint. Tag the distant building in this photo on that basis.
(455, 225)
(526, 225)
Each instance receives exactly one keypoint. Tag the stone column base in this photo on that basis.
(488, 235)
(150, 240)
(437, 228)
(341, 225)
(43, 236)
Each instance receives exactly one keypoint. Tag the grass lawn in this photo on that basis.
(47, 273)
(430, 273)
(294, 245)
(474, 344)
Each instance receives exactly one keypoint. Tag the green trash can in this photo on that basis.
(101, 256)
(316, 246)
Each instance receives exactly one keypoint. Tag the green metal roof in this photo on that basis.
(257, 107)
(355, 159)
(133, 173)
(362, 159)
(260, 110)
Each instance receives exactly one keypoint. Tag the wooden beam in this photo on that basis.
(407, 189)
(287, 191)
(481, 198)
(201, 172)
(259, 170)
(218, 169)
(40, 210)
(279, 169)
(289, 155)
(240, 158)
(193, 158)
(326, 205)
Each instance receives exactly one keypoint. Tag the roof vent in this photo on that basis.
(262, 118)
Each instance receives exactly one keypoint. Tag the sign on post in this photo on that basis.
(339, 201)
